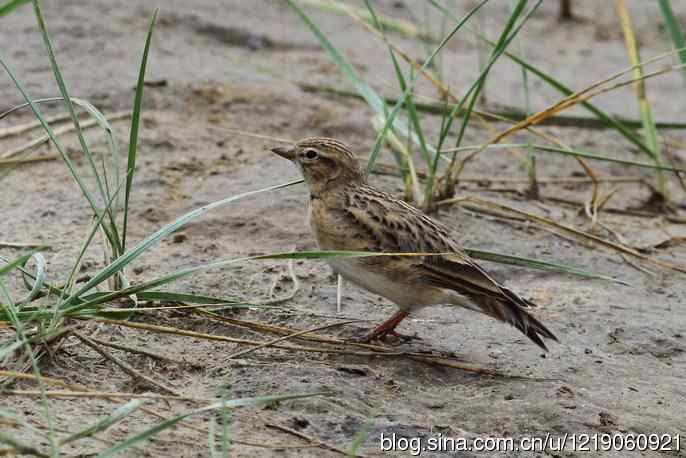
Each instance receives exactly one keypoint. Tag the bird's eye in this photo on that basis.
(311, 154)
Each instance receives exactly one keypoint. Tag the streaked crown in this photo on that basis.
(325, 162)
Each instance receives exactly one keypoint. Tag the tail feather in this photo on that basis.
(511, 312)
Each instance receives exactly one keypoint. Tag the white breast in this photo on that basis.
(404, 295)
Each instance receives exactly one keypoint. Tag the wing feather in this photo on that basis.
(396, 226)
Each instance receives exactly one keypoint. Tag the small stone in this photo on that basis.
(179, 238)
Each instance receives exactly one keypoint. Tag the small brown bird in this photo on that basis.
(348, 214)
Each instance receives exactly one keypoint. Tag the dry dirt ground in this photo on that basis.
(620, 364)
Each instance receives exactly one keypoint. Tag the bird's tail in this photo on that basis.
(506, 309)
(511, 312)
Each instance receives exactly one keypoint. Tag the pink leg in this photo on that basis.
(387, 327)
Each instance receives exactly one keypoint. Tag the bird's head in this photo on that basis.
(324, 162)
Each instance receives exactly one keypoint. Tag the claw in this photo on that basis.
(386, 328)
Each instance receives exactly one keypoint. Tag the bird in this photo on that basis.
(347, 214)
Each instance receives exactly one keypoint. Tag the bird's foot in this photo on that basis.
(402, 337)
(387, 336)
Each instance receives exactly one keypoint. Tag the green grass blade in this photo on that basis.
(183, 297)
(58, 145)
(62, 85)
(99, 117)
(89, 238)
(166, 279)
(11, 5)
(510, 31)
(372, 98)
(154, 238)
(388, 23)
(559, 86)
(509, 114)
(38, 279)
(20, 446)
(410, 87)
(135, 122)
(141, 437)
(574, 152)
(361, 86)
(106, 422)
(538, 264)
(361, 437)
(409, 102)
(675, 32)
(20, 261)
(20, 334)
(8, 349)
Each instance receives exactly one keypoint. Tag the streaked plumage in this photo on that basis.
(348, 214)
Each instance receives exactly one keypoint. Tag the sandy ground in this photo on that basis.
(620, 365)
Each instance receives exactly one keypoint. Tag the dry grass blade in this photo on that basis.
(119, 115)
(102, 395)
(407, 162)
(21, 128)
(245, 133)
(644, 106)
(124, 366)
(47, 380)
(568, 229)
(120, 398)
(30, 160)
(591, 205)
(134, 350)
(381, 351)
(403, 27)
(376, 351)
(310, 439)
(290, 336)
(568, 102)
(201, 335)
(21, 245)
(75, 387)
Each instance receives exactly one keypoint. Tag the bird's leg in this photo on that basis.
(388, 327)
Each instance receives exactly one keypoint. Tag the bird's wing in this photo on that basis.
(395, 226)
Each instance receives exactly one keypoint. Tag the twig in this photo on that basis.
(135, 350)
(310, 439)
(339, 293)
(290, 336)
(124, 366)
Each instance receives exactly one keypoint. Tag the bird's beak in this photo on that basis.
(285, 152)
